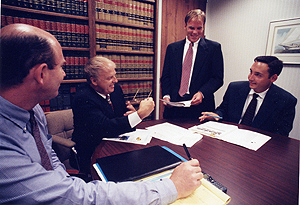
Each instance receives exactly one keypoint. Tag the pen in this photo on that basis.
(135, 94)
(187, 151)
(215, 116)
(149, 94)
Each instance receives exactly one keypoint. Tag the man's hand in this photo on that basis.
(130, 108)
(206, 116)
(168, 100)
(186, 178)
(146, 107)
(197, 98)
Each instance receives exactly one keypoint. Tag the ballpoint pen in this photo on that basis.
(149, 94)
(135, 94)
(215, 116)
(187, 152)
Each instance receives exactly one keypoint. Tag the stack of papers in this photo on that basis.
(174, 134)
(139, 136)
(231, 133)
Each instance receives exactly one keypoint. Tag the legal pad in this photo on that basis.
(137, 164)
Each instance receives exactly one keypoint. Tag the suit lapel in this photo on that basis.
(200, 57)
(266, 108)
(178, 52)
(239, 101)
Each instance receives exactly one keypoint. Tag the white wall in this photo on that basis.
(241, 26)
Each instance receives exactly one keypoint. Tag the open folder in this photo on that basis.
(151, 164)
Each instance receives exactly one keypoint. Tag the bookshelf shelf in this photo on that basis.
(124, 52)
(16, 8)
(123, 24)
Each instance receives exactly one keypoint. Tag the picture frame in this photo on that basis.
(284, 40)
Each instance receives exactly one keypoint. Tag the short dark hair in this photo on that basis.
(198, 13)
(20, 53)
(275, 65)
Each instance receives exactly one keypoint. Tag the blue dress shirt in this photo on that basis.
(23, 180)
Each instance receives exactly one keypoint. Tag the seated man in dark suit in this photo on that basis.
(100, 110)
(275, 108)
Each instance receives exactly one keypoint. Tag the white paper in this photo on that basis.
(140, 136)
(179, 104)
(232, 134)
(174, 134)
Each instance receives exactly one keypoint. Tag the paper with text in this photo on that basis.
(140, 136)
(174, 134)
(231, 133)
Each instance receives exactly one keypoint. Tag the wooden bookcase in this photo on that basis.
(78, 26)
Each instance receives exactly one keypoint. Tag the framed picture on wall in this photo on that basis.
(284, 40)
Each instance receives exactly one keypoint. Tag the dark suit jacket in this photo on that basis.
(276, 113)
(95, 119)
(207, 77)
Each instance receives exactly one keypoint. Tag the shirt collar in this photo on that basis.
(14, 113)
(104, 96)
(260, 95)
(195, 43)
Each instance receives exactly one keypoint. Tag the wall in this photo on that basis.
(242, 29)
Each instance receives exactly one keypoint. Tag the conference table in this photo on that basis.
(267, 176)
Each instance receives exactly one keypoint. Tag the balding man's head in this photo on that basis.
(22, 47)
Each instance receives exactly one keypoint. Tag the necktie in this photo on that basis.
(249, 114)
(186, 70)
(37, 137)
(109, 101)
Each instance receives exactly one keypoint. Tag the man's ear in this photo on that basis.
(93, 81)
(40, 72)
(274, 78)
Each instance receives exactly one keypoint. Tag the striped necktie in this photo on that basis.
(249, 114)
(37, 137)
(186, 70)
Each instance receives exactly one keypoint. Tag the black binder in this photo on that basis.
(137, 164)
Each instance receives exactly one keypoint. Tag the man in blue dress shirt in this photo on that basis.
(31, 72)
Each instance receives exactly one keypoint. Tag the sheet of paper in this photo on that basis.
(232, 134)
(246, 138)
(179, 104)
(174, 134)
(140, 136)
(213, 129)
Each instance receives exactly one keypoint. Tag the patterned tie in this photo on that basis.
(249, 114)
(186, 70)
(37, 137)
(109, 101)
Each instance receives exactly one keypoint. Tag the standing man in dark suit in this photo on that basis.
(204, 74)
(275, 107)
(100, 110)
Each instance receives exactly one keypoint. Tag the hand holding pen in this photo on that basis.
(209, 116)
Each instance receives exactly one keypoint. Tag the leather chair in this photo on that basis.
(60, 126)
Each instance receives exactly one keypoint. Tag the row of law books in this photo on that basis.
(112, 37)
(63, 100)
(70, 7)
(74, 66)
(135, 91)
(67, 32)
(132, 66)
(125, 11)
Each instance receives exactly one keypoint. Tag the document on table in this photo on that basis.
(140, 136)
(232, 134)
(179, 104)
(174, 134)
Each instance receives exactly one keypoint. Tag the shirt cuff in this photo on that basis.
(167, 191)
(134, 119)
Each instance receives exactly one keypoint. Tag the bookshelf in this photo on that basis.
(121, 30)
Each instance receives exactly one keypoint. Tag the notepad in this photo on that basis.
(137, 164)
